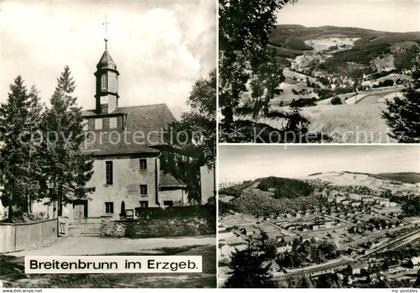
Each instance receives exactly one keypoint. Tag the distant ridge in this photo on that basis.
(404, 177)
(292, 36)
(342, 29)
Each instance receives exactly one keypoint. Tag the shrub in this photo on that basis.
(343, 90)
(245, 110)
(130, 231)
(303, 102)
(276, 114)
(386, 82)
(170, 227)
(336, 101)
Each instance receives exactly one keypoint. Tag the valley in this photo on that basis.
(340, 78)
(356, 229)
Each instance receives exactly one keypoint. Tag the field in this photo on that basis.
(360, 123)
(358, 119)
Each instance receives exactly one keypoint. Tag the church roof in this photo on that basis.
(147, 117)
(120, 149)
(167, 180)
(147, 121)
(106, 62)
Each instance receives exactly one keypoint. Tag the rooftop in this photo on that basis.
(143, 129)
(168, 180)
(106, 61)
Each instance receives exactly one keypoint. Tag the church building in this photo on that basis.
(124, 143)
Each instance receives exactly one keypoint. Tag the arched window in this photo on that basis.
(104, 82)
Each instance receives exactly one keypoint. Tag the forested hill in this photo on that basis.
(280, 187)
(289, 41)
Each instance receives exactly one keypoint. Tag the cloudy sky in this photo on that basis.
(161, 47)
(237, 163)
(383, 15)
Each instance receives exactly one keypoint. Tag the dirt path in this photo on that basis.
(100, 246)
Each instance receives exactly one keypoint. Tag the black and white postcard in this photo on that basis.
(107, 144)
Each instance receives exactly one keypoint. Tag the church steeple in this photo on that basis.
(106, 83)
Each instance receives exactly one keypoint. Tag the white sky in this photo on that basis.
(161, 47)
(382, 15)
(237, 163)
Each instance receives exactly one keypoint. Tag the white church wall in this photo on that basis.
(50, 209)
(112, 82)
(207, 183)
(127, 178)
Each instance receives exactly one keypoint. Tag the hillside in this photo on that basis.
(279, 187)
(341, 78)
(268, 195)
(292, 40)
(290, 36)
(406, 177)
(285, 187)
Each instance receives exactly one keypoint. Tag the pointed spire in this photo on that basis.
(106, 61)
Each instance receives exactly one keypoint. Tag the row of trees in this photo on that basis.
(305, 252)
(248, 66)
(250, 267)
(40, 147)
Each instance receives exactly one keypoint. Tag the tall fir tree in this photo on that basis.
(265, 79)
(20, 161)
(296, 123)
(403, 114)
(251, 266)
(67, 168)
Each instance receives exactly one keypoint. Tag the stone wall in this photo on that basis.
(114, 229)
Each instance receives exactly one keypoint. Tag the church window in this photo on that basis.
(104, 82)
(108, 170)
(113, 122)
(144, 204)
(143, 164)
(109, 207)
(143, 189)
(98, 124)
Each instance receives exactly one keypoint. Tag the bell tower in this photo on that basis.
(106, 83)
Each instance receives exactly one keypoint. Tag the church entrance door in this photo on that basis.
(79, 209)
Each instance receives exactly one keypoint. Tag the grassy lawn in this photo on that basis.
(345, 120)
(357, 123)
(12, 274)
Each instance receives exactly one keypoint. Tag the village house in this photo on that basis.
(415, 260)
